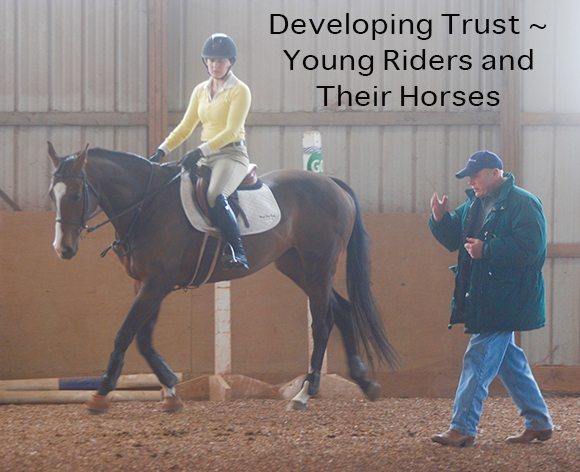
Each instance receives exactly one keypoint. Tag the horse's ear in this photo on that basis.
(53, 157)
(81, 160)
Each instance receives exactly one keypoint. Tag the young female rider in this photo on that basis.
(221, 104)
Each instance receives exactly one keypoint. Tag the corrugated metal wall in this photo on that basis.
(67, 56)
(551, 167)
(392, 168)
(77, 71)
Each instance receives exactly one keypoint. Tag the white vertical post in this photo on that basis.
(312, 161)
(223, 331)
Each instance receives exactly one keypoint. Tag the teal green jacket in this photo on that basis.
(504, 290)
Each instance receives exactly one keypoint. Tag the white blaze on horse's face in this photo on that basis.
(65, 234)
(67, 187)
(58, 191)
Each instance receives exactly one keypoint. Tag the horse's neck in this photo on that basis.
(119, 187)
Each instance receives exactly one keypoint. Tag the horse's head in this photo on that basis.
(69, 191)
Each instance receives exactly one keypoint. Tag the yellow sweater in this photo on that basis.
(222, 119)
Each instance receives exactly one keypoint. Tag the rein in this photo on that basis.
(139, 206)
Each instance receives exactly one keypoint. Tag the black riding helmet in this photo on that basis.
(219, 46)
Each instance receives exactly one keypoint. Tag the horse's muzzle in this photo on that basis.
(67, 252)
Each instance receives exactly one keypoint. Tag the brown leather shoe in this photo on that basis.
(453, 438)
(529, 435)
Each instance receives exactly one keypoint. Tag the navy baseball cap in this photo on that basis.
(480, 160)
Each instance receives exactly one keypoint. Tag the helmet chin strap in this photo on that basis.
(226, 74)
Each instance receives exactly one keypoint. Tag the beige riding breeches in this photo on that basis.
(229, 167)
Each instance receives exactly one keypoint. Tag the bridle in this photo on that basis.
(139, 206)
(86, 186)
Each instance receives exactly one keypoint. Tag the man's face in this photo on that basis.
(483, 182)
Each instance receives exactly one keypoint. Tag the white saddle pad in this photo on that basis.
(260, 206)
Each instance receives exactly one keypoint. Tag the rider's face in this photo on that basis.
(218, 67)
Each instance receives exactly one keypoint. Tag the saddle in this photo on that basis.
(203, 174)
(263, 214)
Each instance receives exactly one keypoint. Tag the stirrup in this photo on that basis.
(230, 261)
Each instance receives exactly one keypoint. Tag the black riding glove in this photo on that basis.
(190, 159)
(157, 156)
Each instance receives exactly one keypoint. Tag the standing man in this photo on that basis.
(500, 232)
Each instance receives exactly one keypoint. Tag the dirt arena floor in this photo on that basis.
(260, 435)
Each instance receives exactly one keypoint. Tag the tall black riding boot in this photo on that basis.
(223, 216)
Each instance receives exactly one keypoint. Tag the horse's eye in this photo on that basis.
(76, 197)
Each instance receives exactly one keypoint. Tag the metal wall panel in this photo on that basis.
(552, 86)
(354, 154)
(393, 80)
(398, 170)
(65, 69)
(68, 56)
(99, 56)
(34, 168)
(295, 86)
(91, 56)
(538, 91)
(567, 67)
(551, 169)
(565, 327)
(32, 55)
(7, 167)
(261, 60)
(8, 58)
(131, 50)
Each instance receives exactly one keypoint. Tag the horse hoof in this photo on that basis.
(97, 404)
(172, 404)
(373, 391)
(297, 406)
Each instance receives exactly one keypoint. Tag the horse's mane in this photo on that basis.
(127, 159)
(112, 155)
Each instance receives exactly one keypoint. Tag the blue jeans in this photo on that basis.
(488, 355)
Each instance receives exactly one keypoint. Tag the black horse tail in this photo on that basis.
(368, 325)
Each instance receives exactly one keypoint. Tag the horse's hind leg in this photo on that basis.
(318, 288)
(322, 324)
(171, 401)
(343, 318)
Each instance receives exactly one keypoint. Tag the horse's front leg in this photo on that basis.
(171, 401)
(146, 304)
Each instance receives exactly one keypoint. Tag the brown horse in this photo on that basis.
(320, 218)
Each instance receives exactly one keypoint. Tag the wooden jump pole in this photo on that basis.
(74, 396)
(134, 381)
